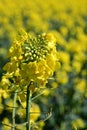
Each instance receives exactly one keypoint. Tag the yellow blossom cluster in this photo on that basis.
(31, 59)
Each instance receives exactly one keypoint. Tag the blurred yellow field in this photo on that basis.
(65, 23)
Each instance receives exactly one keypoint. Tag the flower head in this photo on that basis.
(32, 58)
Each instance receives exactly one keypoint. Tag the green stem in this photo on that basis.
(14, 110)
(28, 105)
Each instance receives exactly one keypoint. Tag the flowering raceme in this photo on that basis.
(32, 59)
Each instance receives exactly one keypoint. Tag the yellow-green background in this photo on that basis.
(67, 20)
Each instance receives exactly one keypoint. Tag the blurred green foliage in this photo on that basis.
(66, 93)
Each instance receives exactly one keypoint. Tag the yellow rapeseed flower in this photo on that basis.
(32, 58)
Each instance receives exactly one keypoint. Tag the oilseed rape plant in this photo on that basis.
(32, 61)
(65, 93)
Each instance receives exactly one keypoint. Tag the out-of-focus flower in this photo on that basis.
(34, 112)
(78, 123)
(62, 77)
(80, 85)
(6, 124)
(64, 57)
(3, 94)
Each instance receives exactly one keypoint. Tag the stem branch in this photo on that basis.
(28, 105)
(14, 110)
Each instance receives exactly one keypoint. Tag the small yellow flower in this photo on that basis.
(5, 82)
(80, 85)
(6, 121)
(34, 112)
(78, 123)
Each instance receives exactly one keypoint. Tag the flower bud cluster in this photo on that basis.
(35, 49)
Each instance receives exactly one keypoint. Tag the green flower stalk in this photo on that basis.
(28, 105)
(14, 111)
